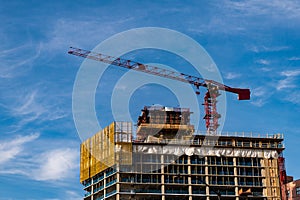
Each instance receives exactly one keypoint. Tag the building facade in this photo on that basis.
(168, 160)
(293, 190)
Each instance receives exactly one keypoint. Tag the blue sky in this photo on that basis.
(255, 44)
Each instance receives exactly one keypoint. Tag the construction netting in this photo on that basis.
(204, 151)
(99, 152)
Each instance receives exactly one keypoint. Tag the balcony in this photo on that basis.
(98, 189)
(96, 180)
(110, 173)
(111, 183)
(111, 193)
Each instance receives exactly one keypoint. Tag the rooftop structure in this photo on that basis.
(168, 159)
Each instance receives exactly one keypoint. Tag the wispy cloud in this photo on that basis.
(29, 106)
(260, 96)
(231, 75)
(43, 165)
(294, 58)
(259, 49)
(290, 73)
(65, 32)
(56, 164)
(240, 17)
(258, 102)
(288, 81)
(266, 69)
(263, 61)
(285, 83)
(259, 92)
(73, 195)
(34, 107)
(11, 149)
(288, 9)
(67, 195)
(293, 97)
(18, 60)
(6, 52)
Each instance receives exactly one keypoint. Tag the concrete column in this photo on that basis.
(92, 196)
(162, 177)
(236, 182)
(118, 184)
(190, 178)
(117, 162)
(104, 183)
(206, 178)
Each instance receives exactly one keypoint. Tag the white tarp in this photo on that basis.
(205, 151)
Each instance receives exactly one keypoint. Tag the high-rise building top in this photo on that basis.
(168, 159)
(158, 122)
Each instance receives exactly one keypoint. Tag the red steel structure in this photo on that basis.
(282, 176)
(211, 115)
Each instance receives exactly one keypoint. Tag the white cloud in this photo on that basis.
(288, 81)
(68, 195)
(17, 61)
(260, 96)
(56, 164)
(43, 165)
(258, 49)
(258, 102)
(288, 9)
(258, 92)
(73, 195)
(11, 149)
(29, 106)
(241, 17)
(265, 69)
(293, 97)
(263, 62)
(290, 73)
(294, 58)
(34, 107)
(13, 50)
(231, 75)
(285, 83)
(65, 32)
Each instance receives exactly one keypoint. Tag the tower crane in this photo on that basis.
(210, 99)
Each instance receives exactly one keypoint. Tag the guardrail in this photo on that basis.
(241, 134)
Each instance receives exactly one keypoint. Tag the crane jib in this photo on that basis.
(212, 86)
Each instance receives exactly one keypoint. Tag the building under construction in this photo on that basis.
(168, 159)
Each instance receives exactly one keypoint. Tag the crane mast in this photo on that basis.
(210, 99)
